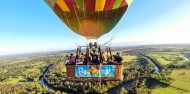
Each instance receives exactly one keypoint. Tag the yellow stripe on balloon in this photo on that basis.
(62, 5)
(129, 2)
(100, 5)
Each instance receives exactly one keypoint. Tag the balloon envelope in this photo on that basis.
(90, 18)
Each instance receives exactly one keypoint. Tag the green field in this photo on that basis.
(21, 75)
(181, 75)
(167, 57)
(168, 90)
(182, 79)
(128, 58)
(181, 83)
(19, 80)
(33, 72)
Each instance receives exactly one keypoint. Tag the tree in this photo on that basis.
(122, 91)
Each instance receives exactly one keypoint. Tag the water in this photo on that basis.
(185, 59)
(129, 84)
(156, 69)
(42, 81)
(126, 85)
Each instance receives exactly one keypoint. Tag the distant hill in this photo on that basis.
(115, 46)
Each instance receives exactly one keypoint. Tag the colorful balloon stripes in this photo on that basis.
(90, 18)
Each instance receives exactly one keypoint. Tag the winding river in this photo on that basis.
(156, 69)
(42, 81)
(125, 85)
(129, 84)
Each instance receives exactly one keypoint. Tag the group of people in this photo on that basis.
(94, 58)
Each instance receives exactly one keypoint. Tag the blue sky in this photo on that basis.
(30, 25)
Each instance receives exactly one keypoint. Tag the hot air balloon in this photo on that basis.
(90, 18)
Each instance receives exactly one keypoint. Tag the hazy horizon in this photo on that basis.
(124, 44)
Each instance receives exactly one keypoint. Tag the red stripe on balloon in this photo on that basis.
(57, 7)
(109, 4)
(90, 5)
(123, 3)
(71, 5)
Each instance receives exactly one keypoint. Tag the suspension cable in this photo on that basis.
(116, 33)
(98, 23)
(74, 39)
(110, 33)
(79, 19)
(84, 22)
(105, 16)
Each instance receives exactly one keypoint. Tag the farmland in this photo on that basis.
(173, 76)
(180, 83)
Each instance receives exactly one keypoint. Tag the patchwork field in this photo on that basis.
(180, 85)
(168, 57)
(31, 71)
(128, 58)
(182, 79)
(168, 90)
(19, 80)
(138, 67)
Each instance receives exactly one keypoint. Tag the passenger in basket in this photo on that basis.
(85, 60)
(82, 56)
(72, 59)
(94, 57)
(104, 58)
(80, 59)
(118, 57)
(67, 59)
(112, 59)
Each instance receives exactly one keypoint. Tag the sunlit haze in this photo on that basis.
(31, 26)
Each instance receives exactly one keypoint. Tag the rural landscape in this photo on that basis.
(147, 69)
(95, 47)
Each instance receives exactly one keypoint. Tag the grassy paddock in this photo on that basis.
(128, 58)
(168, 90)
(167, 57)
(19, 80)
(181, 75)
(159, 58)
(22, 79)
(181, 80)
